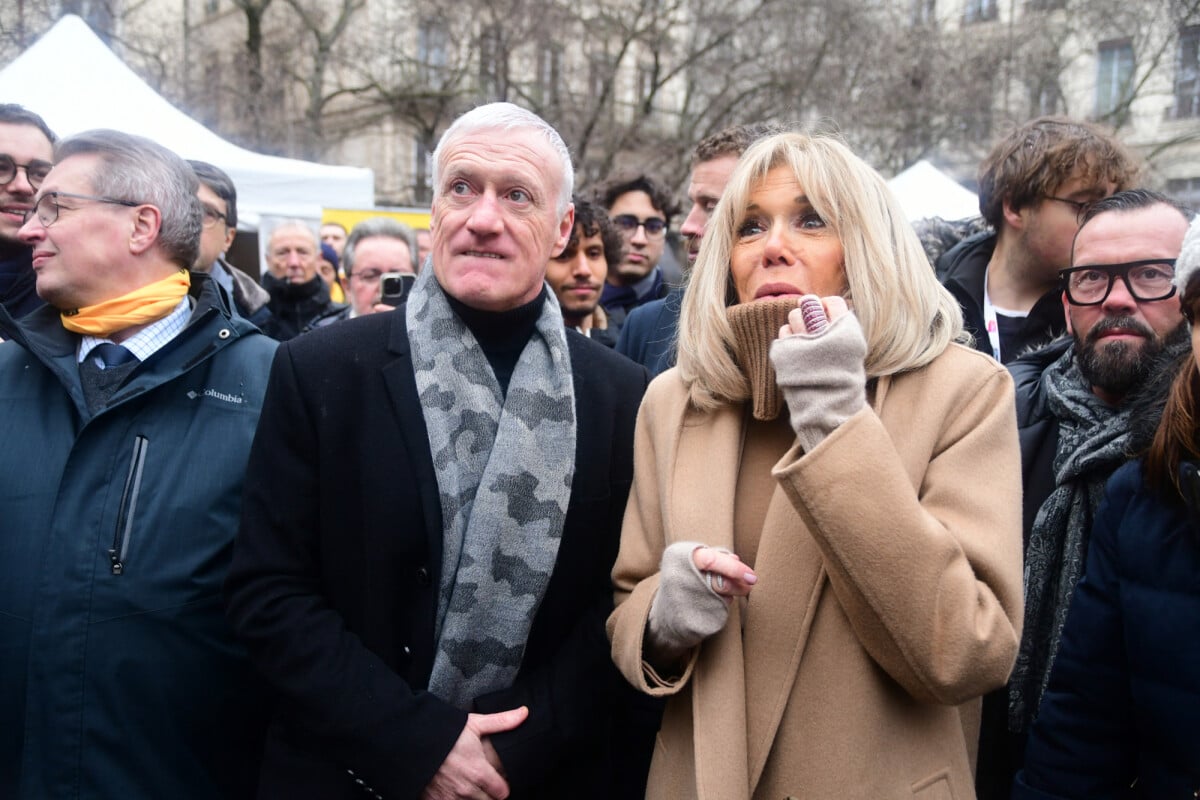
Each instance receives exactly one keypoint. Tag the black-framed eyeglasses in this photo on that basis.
(1147, 280)
(47, 206)
(628, 223)
(211, 215)
(1081, 206)
(35, 171)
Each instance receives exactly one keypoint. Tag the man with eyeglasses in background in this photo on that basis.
(375, 247)
(1034, 189)
(128, 404)
(640, 207)
(648, 336)
(26, 150)
(218, 201)
(1077, 398)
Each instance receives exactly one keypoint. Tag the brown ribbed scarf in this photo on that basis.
(755, 326)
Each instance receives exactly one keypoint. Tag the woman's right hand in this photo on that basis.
(696, 584)
(726, 574)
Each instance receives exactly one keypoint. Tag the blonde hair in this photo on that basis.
(907, 317)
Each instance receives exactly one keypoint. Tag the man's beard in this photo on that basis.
(1120, 366)
(575, 314)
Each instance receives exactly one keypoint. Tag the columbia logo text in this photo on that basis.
(214, 394)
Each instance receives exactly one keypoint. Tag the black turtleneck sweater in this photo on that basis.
(502, 334)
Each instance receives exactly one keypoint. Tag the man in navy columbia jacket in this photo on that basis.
(127, 408)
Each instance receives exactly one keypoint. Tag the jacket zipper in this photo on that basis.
(128, 509)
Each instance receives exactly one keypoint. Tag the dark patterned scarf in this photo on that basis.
(1093, 440)
(504, 466)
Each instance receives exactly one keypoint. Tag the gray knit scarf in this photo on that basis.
(504, 467)
(1093, 439)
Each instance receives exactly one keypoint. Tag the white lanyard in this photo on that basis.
(989, 319)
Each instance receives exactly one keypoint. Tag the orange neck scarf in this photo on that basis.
(148, 304)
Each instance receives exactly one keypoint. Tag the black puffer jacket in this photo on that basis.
(1118, 718)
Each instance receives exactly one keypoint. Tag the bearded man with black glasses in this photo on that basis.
(1079, 400)
(26, 152)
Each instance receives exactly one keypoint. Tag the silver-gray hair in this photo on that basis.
(295, 224)
(508, 117)
(379, 226)
(137, 170)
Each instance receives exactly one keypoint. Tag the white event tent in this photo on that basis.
(926, 191)
(76, 83)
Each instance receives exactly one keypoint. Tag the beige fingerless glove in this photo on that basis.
(822, 378)
(685, 611)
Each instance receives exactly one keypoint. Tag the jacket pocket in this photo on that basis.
(127, 512)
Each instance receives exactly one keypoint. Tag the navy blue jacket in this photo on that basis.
(119, 676)
(648, 335)
(1119, 719)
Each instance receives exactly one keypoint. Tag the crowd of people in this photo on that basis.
(824, 505)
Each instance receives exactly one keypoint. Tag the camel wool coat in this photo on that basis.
(888, 598)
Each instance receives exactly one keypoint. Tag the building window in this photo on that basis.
(981, 10)
(432, 44)
(211, 7)
(212, 87)
(645, 83)
(1047, 5)
(1187, 73)
(1114, 76)
(422, 170)
(493, 63)
(599, 76)
(1185, 190)
(1046, 99)
(924, 12)
(550, 73)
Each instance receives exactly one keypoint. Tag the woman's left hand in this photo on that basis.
(818, 361)
(813, 315)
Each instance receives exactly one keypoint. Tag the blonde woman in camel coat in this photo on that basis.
(820, 566)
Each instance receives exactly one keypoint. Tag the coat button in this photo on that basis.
(423, 576)
(407, 651)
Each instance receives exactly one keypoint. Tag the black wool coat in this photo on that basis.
(337, 567)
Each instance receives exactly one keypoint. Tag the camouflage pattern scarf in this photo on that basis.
(504, 467)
